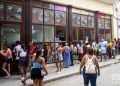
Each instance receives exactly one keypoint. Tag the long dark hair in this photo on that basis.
(38, 53)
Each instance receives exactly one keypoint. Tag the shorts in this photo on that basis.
(8, 60)
(36, 74)
(23, 61)
(60, 57)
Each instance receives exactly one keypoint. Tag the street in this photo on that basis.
(108, 74)
(106, 78)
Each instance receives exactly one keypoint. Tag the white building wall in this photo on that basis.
(116, 18)
(94, 5)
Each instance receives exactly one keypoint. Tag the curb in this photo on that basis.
(75, 73)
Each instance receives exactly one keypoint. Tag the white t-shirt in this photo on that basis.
(23, 53)
(17, 49)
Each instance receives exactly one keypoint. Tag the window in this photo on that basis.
(75, 19)
(108, 34)
(37, 33)
(60, 18)
(91, 21)
(1, 10)
(60, 8)
(60, 34)
(100, 23)
(43, 5)
(10, 33)
(48, 17)
(14, 12)
(83, 21)
(107, 24)
(49, 33)
(37, 15)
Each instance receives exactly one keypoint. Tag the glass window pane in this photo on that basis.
(100, 23)
(37, 33)
(75, 20)
(108, 34)
(49, 33)
(101, 34)
(60, 18)
(48, 17)
(107, 24)
(37, 15)
(10, 33)
(43, 5)
(60, 8)
(1, 10)
(83, 21)
(60, 34)
(14, 12)
(84, 12)
(91, 23)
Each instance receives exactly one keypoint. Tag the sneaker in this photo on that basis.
(23, 80)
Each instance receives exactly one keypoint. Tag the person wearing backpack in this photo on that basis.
(23, 63)
(90, 68)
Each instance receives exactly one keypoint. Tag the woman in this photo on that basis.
(80, 51)
(90, 68)
(38, 70)
(23, 62)
(67, 58)
(7, 53)
(59, 58)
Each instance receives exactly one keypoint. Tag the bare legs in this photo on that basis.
(5, 70)
(37, 82)
(23, 70)
(59, 65)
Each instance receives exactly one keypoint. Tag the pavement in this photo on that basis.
(109, 76)
(53, 75)
(73, 70)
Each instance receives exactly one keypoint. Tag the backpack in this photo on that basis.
(90, 67)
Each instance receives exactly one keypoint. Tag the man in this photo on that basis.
(103, 49)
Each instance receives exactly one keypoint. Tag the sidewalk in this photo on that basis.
(66, 72)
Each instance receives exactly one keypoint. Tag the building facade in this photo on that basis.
(116, 7)
(54, 21)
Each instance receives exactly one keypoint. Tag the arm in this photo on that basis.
(44, 67)
(82, 63)
(33, 57)
(97, 65)
(3, 53)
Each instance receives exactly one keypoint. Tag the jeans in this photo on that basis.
(90, 78)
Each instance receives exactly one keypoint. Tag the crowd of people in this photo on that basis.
(35, 58)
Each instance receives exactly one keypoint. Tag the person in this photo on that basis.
(23, 64)
(103, 49)
(7, 53)
(59, 58)
(66, 55)
(113, 49)
(94, 46)
(71, 53)
(16, 51)
(38, 69)
(109, 49)
(45, 54)
(32, 48)
(90, 67)
(80, 51)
